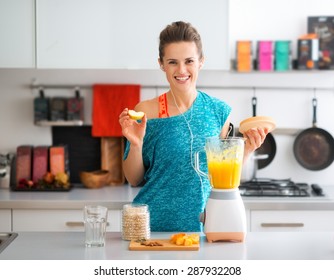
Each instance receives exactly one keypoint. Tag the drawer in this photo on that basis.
(5, 220)
(58, 220)
(292, 220)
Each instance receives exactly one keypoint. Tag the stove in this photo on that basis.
(278, 188)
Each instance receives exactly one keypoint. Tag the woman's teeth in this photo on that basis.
(182, 78)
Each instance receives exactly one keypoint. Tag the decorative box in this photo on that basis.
(265, 56)
(244, 56)
(308, 54)
(323, 26)
(40, 162)
(23, 163)
(41, 108)
(58, 109)
(282, 57)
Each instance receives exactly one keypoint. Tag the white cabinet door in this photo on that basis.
(58, 220)
(292, 220)
(17, 33)
(5, 220)
(112, 34)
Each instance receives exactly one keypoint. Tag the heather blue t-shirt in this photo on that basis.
(174, 192)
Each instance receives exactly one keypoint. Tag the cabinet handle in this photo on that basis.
(74, 224)
(77, 224)
(282, 224)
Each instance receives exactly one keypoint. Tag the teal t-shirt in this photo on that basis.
(175, 193)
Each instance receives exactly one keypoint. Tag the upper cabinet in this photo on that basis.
(113, 34)
(17, 29)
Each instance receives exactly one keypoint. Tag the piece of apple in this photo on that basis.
(136, 115)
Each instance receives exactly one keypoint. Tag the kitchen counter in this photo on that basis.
(258, 246)
(114, 197)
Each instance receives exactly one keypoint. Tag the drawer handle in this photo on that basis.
(282, 225)
(77, 224)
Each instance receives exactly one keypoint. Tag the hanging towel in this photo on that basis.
(108, 103)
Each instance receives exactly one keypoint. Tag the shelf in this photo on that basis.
(59, 123)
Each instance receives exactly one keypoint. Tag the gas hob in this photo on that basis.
(278, 188)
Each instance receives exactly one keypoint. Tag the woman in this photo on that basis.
(160, 148)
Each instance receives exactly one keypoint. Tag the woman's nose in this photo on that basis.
(182, 68)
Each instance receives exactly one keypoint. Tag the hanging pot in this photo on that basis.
(268, 147)
(314, 147)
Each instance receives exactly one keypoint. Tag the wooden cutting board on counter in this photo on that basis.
(166, 245)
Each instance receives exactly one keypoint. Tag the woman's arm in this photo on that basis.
(134, 132)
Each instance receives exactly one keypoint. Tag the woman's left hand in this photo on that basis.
(254, 139)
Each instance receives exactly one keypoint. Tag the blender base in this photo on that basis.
(225, 236)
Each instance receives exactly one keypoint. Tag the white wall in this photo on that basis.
(283, 20)
(252, 20)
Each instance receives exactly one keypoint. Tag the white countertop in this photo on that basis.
(257, 246)
(114, 197)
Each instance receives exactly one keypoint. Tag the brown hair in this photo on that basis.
(179, 31)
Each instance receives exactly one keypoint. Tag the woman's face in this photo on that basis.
(181, 64)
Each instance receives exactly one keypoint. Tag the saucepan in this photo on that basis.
(314, 147)
(263, 156)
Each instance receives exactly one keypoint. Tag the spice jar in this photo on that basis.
(135, 222)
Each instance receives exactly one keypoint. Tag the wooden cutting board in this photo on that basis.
(166, 246)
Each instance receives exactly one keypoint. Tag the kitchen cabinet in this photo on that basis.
(5, 220)
(58, 220)
(282, 220)
(17, 33)
(111, 34)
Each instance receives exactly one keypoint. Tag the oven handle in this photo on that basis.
(282, 225)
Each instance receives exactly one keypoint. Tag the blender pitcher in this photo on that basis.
(224, 161)
(224, 217)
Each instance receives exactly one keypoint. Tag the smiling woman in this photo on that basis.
(159, 155)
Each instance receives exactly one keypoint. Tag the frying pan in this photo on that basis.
(314, 147)
(269, 145)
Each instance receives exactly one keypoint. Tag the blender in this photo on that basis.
(224, 217)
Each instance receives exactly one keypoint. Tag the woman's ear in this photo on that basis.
(201, 63)
(161, 65)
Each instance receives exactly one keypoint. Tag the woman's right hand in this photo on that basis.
(132, 130)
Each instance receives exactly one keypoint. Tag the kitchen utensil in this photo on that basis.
(250, 167)
(95, 179)
(258, 121)
(269, 145)
(41, 107)
(112, 149)
(314, 147)
(224, 216)
(58, 109)
(166, 245)
(224, 160)
(75, 107)
(95, 218)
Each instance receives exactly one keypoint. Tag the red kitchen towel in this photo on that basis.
(108, 103)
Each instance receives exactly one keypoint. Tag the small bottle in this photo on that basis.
(136, 222)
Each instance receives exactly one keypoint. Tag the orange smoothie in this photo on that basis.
(225, 174)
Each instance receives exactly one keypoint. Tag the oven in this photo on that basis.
(265, 187)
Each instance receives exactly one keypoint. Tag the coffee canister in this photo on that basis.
(135, 222)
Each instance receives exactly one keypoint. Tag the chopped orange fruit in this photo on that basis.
(183, 239)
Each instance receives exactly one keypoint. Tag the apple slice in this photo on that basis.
(136, 115)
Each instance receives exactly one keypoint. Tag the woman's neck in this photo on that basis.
(181, 101)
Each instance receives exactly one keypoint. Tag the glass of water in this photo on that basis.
(95, 219)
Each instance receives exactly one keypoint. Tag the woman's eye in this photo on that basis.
(190, 61)
(172, 62)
